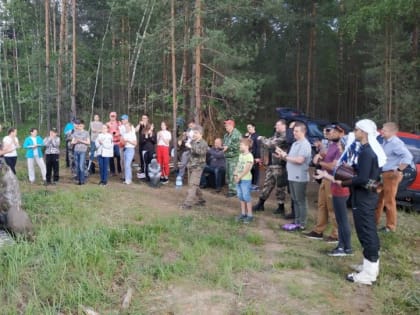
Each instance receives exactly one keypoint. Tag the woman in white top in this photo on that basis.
(10, 144)
(164, 138)
(129, 139)
(104, 151)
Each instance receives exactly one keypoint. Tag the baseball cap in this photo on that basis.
(124, 117)
(337, 126)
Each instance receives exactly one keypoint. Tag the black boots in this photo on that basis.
(280, 209)
(259, 206)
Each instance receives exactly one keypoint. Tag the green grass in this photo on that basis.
(86, 254)
(74, 261)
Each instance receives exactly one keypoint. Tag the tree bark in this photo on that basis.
(17, 76)
(340, 73)
(8, 87)
(47, 62)
(297, 74)
(139, 48)
(197, 34)
(310, 59)
(174, 91)
(63, 26)
(186, 80)
(3, 103)
(74, 61)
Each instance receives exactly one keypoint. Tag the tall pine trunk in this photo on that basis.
(309, 70)
(47, 62)
(297, 74)
(197, 34)
(63, 26)
(74, 61)
(17, 76)
(174, 92)
(186, 64)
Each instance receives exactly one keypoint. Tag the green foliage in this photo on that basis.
(255, 57)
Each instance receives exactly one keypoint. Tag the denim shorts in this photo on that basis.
(244, 190)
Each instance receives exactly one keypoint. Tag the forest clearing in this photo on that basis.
(94, 244)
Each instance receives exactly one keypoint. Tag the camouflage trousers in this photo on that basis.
(194, 193)
(230, 169)
(273, 180)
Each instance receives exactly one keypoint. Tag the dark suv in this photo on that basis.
(314, 127)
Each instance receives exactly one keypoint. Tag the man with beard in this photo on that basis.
(327, 162)
(275, 174)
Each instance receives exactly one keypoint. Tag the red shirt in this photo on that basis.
(114, 130)
(339, 191)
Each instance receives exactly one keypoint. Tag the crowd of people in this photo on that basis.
(236, 160)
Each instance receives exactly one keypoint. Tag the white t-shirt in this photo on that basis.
(299, 172)
(129, 135)
(9, 142)
(163, 138)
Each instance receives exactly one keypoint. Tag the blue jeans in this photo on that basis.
(218, 172)
(344, 231)
(103, 168)
(243, 189)
(92, 150)
(128, 158)
(80, 162)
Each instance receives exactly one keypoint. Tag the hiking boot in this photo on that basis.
(331, 240)
(259, 206)
(314, 235)
(280, 209)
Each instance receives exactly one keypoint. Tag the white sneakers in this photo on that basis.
(368, 272)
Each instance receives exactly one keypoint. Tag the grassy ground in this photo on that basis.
(95, 243)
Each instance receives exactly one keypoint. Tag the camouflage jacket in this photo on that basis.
(269, 146)
(198, 153)
(231, 140)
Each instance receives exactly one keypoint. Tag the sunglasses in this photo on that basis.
(334, 126)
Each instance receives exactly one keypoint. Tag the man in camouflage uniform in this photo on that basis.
(198, 148)
(275, 174)
(231, 148)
